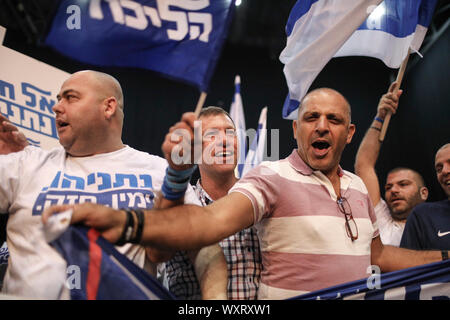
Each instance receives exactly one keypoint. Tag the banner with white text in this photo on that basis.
(181, 40)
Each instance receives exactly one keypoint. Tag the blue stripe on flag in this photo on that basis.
(290, 105)
(399, 18)
(299, 9)
(426, 12)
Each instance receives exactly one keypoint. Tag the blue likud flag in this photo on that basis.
(426, 282)
(255, 154)
(105, 273)
(317, 30)
(237, 114)
(178, 39)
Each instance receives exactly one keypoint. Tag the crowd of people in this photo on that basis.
(286, 228)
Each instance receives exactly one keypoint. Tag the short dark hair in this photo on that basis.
(418, 177)
(214, 111)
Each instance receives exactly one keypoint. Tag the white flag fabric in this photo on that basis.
(237, 114)
(317, 30)
(256, 152)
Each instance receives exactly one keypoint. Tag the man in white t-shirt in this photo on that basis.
(11, 140)
(404, 188)
(93, 166)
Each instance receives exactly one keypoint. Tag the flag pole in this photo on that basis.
(399, 79)
(200, 103)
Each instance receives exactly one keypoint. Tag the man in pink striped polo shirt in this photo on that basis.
(315, 221)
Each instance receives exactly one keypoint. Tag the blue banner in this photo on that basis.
(178, 39)
(96, 270)
(426, 282)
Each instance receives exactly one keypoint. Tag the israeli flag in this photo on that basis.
(237, 115)
(256, 152)
(178, 39)
(390, 31)
(317, 30)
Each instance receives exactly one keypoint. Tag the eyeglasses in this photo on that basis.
(350, 224)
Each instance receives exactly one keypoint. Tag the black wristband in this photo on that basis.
(140, 226)
(444, 254)
(127, 230)
(376, 128)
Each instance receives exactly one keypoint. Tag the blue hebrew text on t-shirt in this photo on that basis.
(118, 191)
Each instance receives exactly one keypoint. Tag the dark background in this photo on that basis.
(256, 38)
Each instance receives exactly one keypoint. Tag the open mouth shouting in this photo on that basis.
(61, 125)
(320, 147)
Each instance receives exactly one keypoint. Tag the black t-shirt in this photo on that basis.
(428, 227)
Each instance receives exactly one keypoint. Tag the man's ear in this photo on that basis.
(351, 132)
(110, 107)
(423, 193)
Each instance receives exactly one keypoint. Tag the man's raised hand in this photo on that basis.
(11, 139)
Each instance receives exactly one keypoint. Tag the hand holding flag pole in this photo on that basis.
(200, 103)
(399, 79)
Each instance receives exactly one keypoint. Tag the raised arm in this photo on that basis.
(369, 149)
(179, 135)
